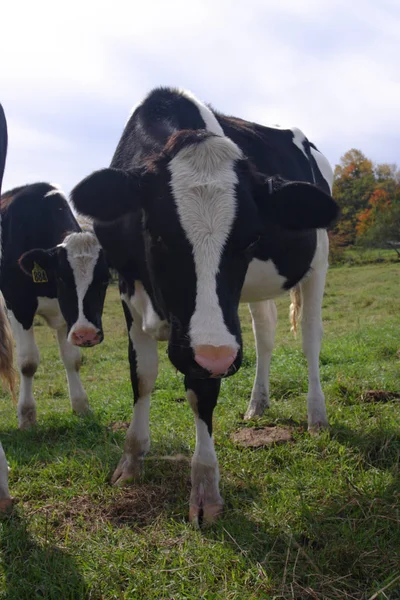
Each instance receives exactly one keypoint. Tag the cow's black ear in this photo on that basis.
(296, 205)
(39, 264)
(108, 194)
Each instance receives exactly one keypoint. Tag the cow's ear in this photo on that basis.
(296, 205)
(39, 264)
(108, 194)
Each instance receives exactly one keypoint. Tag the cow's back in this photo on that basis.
(34, 216)
(272, 150)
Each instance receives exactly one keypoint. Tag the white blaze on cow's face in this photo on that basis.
(82, 253)
(203, 181)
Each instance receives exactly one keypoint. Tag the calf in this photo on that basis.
(6, 344)
(199, 212)
(66, 285)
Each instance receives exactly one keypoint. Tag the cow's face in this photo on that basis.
(199, 242)
(201, 221)
(79, 270)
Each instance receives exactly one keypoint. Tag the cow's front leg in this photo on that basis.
(28, 358)
(71, 357)
(143, 362)
(205, 500)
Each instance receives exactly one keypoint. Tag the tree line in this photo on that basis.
(369, 198)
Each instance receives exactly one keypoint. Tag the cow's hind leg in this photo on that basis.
(143, 361)
(205, 500)
(28, 359)
(71, 357)
(312, 291)
(264, 318)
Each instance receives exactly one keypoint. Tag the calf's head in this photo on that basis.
(203, 210)
(78, 268)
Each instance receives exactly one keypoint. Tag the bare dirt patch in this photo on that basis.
(379, 396)
(139, 505)
(258, 437)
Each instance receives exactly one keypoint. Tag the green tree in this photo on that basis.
(385, 229)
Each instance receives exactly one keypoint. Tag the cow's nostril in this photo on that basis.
(86, 337)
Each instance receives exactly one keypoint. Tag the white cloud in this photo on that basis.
(70, 76)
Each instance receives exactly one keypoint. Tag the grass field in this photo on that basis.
(317, 518)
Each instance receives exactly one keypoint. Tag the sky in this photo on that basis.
(71, 72)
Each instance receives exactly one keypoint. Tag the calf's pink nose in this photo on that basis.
(216, 359)
(85, 337)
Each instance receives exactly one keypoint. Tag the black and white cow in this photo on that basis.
(6, 343)
(66, 285)
(199, 212)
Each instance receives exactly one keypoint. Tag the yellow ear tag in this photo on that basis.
(39, 275)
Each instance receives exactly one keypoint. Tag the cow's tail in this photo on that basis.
(7, 371)
(295, 308)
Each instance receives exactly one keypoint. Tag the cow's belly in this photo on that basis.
(262, 282)
(49, 309)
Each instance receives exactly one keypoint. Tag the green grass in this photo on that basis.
(314, 519)
(359, 255)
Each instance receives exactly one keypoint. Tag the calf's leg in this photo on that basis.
(205, 499)
(28, 359)
(71, 358)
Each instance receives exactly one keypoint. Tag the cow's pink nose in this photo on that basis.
(216, 359)
(85, 336)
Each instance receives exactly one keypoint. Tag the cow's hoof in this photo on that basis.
(27, 418)
(206, 514)
(256, 407)
(252, 413)
(128, 470)
(6, 505)
(80, 406)
(318, 426)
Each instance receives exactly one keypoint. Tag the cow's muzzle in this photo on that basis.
(86, 337)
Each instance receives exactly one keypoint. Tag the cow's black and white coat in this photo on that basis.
(198, 212)
(53, 269)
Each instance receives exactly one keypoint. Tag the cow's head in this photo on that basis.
(202, 209)
(78, 268)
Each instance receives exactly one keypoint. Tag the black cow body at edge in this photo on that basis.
(6, 343)
(199, 212)
(52, 269)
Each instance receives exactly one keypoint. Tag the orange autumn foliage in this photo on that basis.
(378, 202)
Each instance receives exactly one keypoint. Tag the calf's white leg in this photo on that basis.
(71, 357)
(28, 359)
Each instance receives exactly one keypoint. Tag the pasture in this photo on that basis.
(316, 518)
